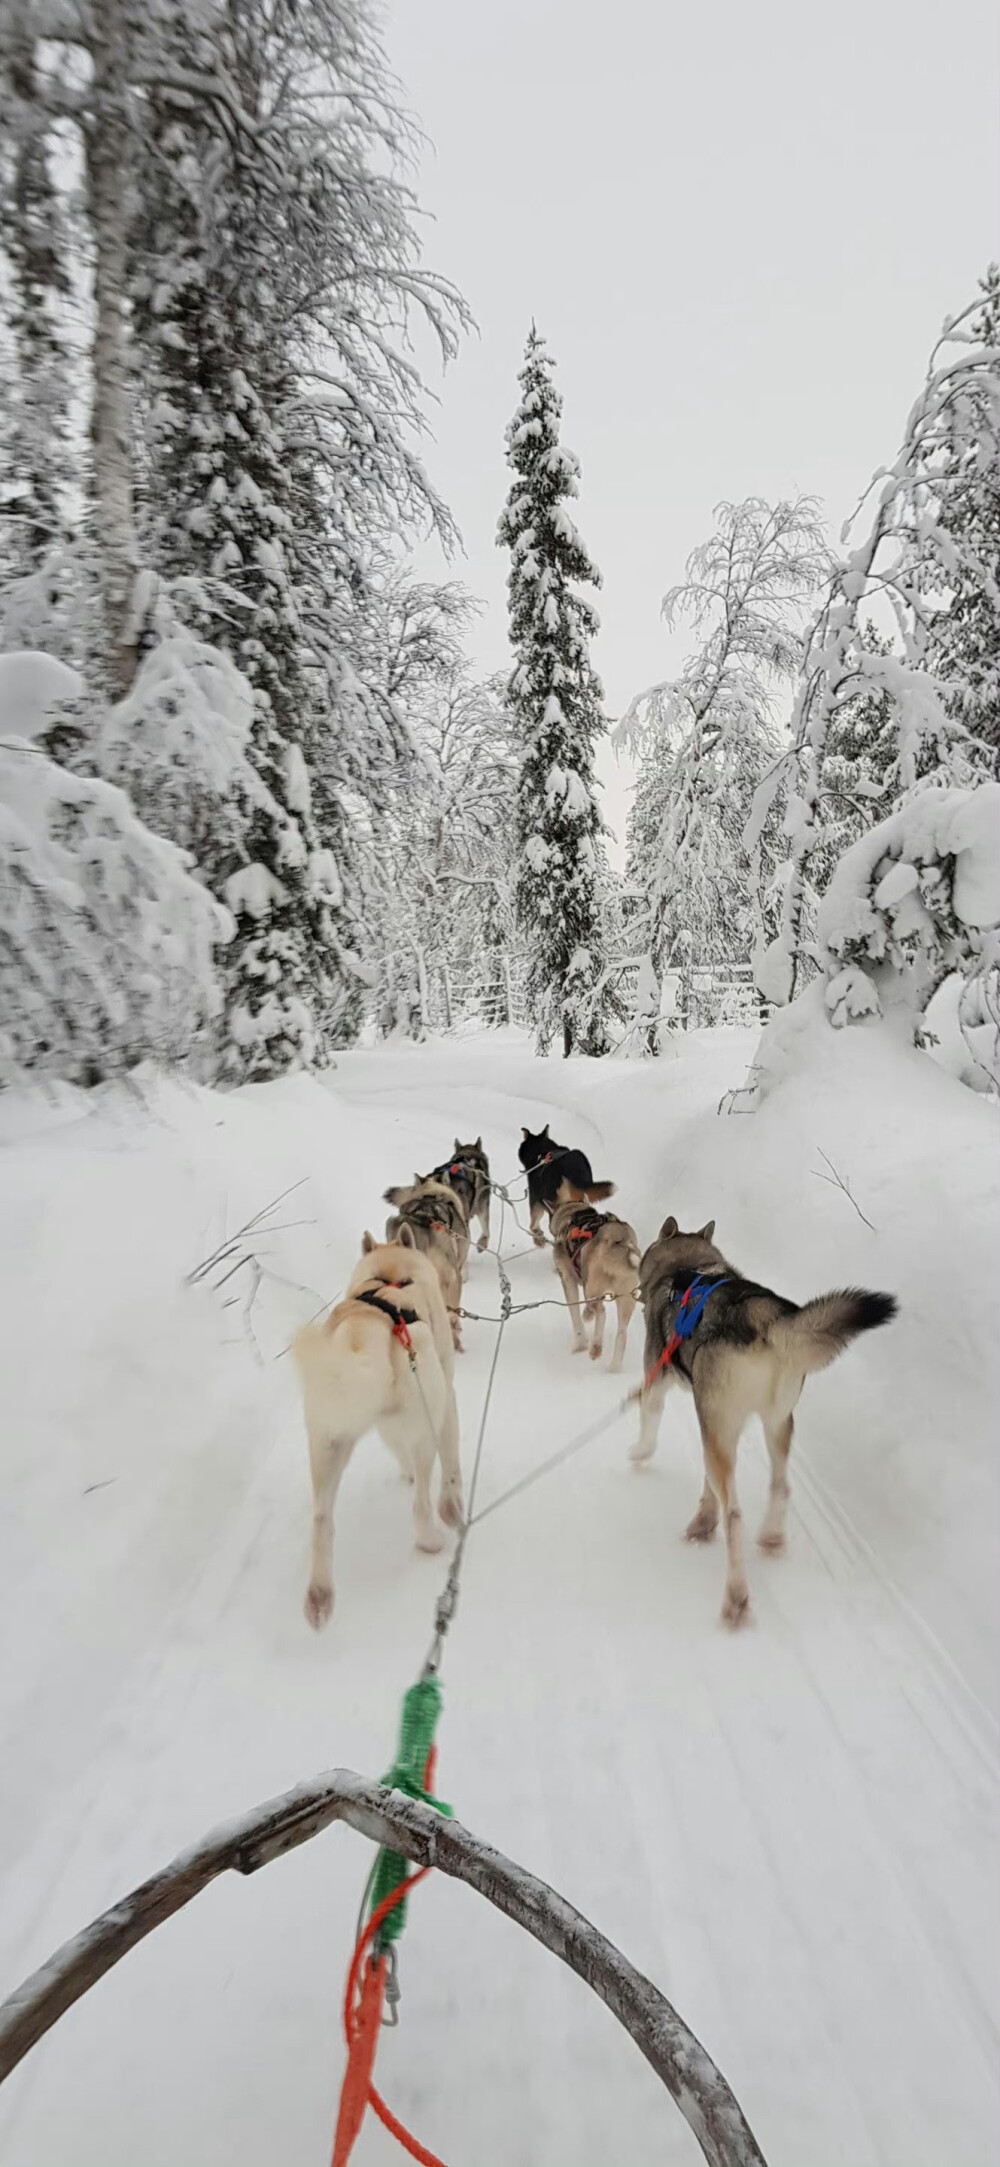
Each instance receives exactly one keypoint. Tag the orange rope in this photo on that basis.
(362, 2021)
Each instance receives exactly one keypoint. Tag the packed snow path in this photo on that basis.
(792, 1830)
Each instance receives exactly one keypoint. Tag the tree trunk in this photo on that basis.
(567, 1036)
(106, 149)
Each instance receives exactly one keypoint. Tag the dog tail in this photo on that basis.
(634, 1260)
(821, 1330)
(596, 1191)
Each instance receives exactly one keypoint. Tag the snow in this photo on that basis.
(32, 687)
(253, 890)
(793, 1831)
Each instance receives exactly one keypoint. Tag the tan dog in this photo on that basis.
(437, 1221)
(382, 1359)
(597, 1259)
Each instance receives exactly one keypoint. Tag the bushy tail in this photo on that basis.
(823, 1328)
(598, 1190)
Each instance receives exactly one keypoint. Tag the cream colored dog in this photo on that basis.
(382, 1359)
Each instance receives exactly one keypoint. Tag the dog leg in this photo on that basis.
(451, 1502)
(779, 1444)
(702, 1528)
(720, 1467)
(597, 1310)
(571, 1289)
(453, 1300)
(484, 1221)
(624, 1306)
(424, 1447)
(328, 1458)
(650, 1410)
(535, 1217)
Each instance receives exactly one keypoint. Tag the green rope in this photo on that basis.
(421, 1709)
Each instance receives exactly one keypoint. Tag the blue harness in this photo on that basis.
(693, 1303)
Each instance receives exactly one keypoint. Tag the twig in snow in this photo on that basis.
(226, 1247)
(836, 1181)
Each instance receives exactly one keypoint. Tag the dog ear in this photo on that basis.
(368, 1243)
(478, 1145)
(545, 1131)
(707, 1231)
(526, 1133)
(458, 1147)
(668, 1230)
(405, 1237)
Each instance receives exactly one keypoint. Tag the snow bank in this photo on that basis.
(32, 686)
(106, 942)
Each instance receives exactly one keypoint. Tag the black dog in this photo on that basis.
(548, 1166)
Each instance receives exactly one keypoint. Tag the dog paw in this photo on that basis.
(736, 1608)
(483, 1243)
(596, 1352)
(539, 1240)
(429, 1536)
(702, 1528)
(772, 1540)
(615, 1368)
(640, 1454)
(318, 1606)
(451, 1506)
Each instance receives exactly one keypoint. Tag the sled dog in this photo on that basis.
(547, 1165)
(468, 1173)
(597, 1259)
(356, 1375)
(436, 1218)
(749, 1354)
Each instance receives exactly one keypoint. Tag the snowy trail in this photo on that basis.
(792, 1830)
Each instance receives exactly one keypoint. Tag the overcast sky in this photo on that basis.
(738, 228)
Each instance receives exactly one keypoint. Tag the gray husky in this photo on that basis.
(468, 1173)
(749, 1354)
(438, 1225)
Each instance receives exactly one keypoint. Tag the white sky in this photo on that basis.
(738, 227)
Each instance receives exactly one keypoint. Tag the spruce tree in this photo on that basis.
(556, 701)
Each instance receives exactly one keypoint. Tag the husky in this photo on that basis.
(382, 1359)
(596, 1256)
(749, 1354)
(547, 1165)
(468, 1173)
(436, 1218)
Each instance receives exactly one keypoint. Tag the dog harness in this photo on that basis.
(426, 1211)
(689, 1316)
(400, 1319)
(579, 1236)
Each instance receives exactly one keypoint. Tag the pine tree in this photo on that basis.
(555, 696)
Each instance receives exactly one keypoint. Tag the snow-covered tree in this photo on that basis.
(915, 554)
(556, 700)
(275, 270)
(695, 888)
(35, 450)
(964, 635)
(108, 945)
(912, 903)
(443, 853)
